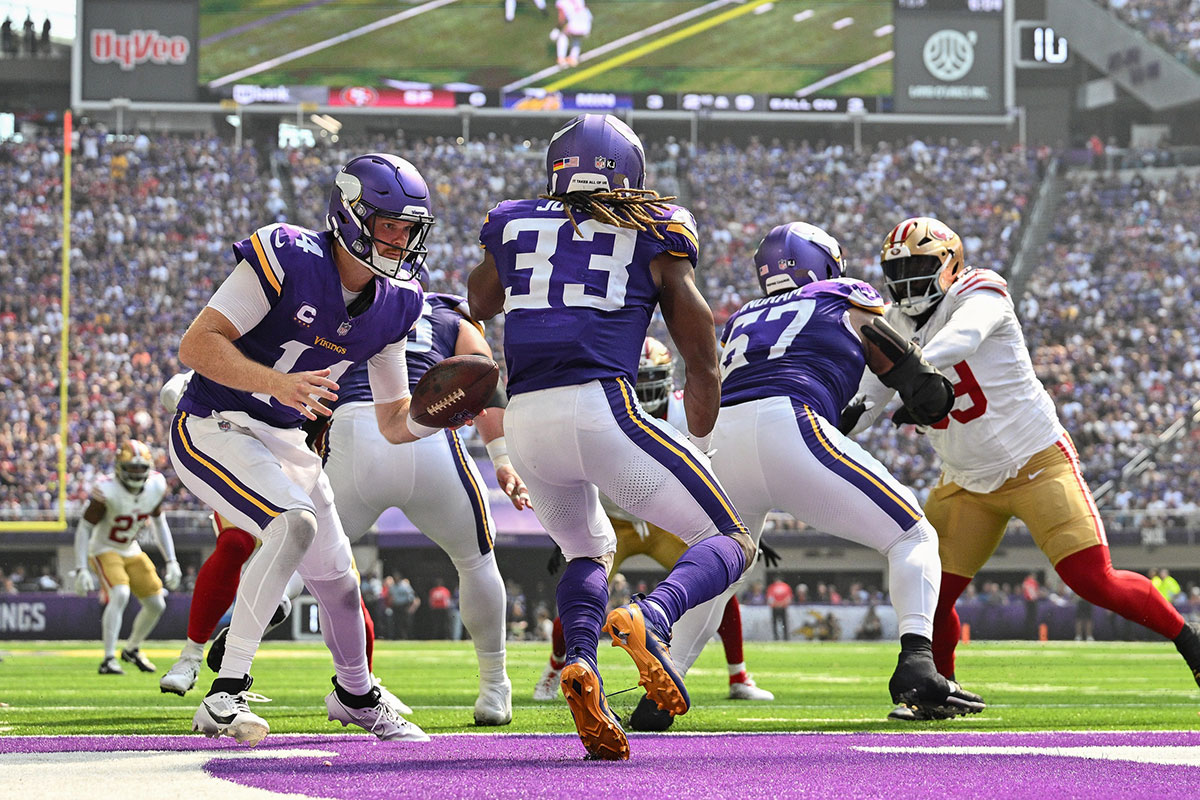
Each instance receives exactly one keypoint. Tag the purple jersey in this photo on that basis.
(576, 306)
(308, 327)
(431, 340)
(798, 344)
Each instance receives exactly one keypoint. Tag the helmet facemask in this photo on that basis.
(912, 282)
(655, 378)
(921, 258)
(133, 465)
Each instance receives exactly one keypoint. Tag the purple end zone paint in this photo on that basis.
(748, 766)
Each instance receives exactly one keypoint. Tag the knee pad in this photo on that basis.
(474, 562)
(155, 602)
(118, 595)
(298, 524)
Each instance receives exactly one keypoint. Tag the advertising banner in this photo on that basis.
(143, 50)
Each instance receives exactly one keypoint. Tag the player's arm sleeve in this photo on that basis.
(241, 298)
(387, 372)
(83, 532)
(162, 535)
(87, 523)
(972, 322)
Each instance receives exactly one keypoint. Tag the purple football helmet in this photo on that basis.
(594, 152)
(375, 186)
(796, 254)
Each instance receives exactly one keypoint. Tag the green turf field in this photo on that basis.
(53, 688)
(751, 46)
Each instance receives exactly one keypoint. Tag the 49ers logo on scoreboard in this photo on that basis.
(138, 47)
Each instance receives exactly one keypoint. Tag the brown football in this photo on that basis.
(454, 391)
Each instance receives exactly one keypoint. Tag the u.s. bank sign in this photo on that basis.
(139, 49)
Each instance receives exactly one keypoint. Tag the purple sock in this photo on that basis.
(582, 601)
(702, 573)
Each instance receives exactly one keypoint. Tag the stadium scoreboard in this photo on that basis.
(951, 56)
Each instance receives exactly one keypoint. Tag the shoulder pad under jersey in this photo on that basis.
(975, 281)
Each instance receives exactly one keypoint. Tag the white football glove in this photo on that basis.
(173, 575)
(84, 582)
(172, 390)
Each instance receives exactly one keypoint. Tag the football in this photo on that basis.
(454, 391)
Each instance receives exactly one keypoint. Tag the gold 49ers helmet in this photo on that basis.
(921, 257)
(134, 463)
(655, 381)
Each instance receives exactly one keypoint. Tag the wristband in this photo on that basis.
(420, 431)
(702, 442)
(497, 450)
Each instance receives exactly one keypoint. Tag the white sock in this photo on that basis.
(482, 602)
(491, 668)
(152, 609)
(914, 579)
(510, 9)
(192, 651)
(110, 620)
(284, 543)
(340, 607)
(562, 42)
(737, 668)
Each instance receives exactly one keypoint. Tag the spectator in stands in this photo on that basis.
(1030, 593)
(439, 609)
(8, 41)
(30, 37)
(404, 603)
(45, 41)
(46, 582)
(755, 595)
(779, 597)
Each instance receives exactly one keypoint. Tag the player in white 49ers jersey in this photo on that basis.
(1004, 452)
(106, 538)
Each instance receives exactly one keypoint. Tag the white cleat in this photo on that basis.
(181, 677)
(748, 690)
(224, 714)
(380, 719)
(494, 704)
(547, 687)
(396, 703)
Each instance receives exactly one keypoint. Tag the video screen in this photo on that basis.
(778, 47)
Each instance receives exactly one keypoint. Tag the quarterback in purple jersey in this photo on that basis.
(578, 273)
(791, 361)
(436, 484)
(300, 308)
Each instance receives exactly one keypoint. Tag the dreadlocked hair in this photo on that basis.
(625, 208)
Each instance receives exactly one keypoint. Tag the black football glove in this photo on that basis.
(769, 554)
(850, 416)
(556, 561)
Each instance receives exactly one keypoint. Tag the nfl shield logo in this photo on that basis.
(344, 328)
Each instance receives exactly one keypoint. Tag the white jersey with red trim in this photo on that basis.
(124, 514)
(577, 15)
(1002, 414)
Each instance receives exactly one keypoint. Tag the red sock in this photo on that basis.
(1091, 575)
(730, 632)
(946, 627)
(217, 582)
(369, 625)
(558, 646)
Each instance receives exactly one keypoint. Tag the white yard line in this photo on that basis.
(829, 80)
(327, 43)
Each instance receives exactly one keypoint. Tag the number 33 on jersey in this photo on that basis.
(555, 296)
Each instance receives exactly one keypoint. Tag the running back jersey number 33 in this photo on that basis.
(548, 287)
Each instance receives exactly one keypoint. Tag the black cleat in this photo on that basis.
(136, 658)
(216, 650)
(649, 717)
(110, 666)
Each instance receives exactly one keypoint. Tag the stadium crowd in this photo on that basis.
(1173, 25)
(153, 218)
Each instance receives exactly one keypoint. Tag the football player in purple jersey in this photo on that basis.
(437, 486)
(578, 273)
(791, 361)
(299, 309)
